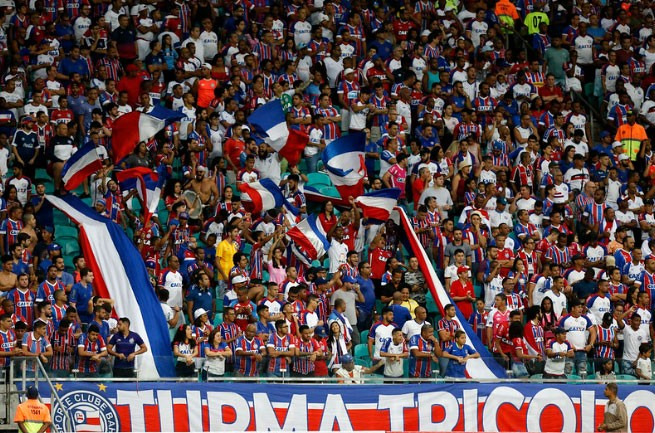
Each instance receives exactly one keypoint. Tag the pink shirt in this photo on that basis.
(398, 178)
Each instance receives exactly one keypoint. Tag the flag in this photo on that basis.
(121, 275)
(87, 421)
(148, 186)
(269, 120)
(378, 205)
(484, 367)
(309, 240)
(261, 196)
(134, 127)
(344, 161)
(80, 166)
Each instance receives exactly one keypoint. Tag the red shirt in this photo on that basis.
(378, 257)
(417, 189)
(458, 289)
(132, 85)
(233, 149)
(505, 254)
(349, 236)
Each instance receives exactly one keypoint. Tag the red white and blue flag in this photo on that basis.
(309, 240)
(484, 367)
(378, 205)
(80, 166)
(344, 161)
(270, 121)
(147, 184)
(120, 274)
(261, 196)
(132, 128)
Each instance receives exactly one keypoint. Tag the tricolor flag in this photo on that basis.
(344, 161)
(132, 128)
(87, 421)
(80, 166)
(148, 186)
(121, 275)
(261, 196)
(484, 367)
(309, 240)
(270, 121)
(378, 205)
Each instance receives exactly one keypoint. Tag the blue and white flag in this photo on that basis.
(378, 204)
(270, 121)
(309, 240)
(344, 161)
(80, 166)
(121, 275)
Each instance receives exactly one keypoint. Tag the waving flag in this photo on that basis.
(261, 196)
(270, 121)
(309, 240)
(484, 367)
(134, 127)
(344, 162)
(148, 186)
(80, 166)
(120, 274)
(378, 205)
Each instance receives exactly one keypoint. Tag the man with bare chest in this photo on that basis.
(205, 187)
(7, 278)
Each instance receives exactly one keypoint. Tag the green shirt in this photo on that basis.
(556, 58)
(533, 20)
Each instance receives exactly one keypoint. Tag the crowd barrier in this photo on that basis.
(239, 406)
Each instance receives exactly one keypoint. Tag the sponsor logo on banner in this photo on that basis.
(90, 412)
(169, 406)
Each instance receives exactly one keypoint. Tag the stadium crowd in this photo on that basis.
(539, 222)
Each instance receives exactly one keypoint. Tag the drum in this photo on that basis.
(194, 203)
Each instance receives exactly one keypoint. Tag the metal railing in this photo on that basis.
(27, 377)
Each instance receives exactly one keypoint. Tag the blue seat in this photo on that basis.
(363, 336)
(361, 351)
(66, 231)
(316, 179)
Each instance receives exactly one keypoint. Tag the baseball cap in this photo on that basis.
(348, 279)
(49, 229)
(604, 134)
(206, 65)
(462, 269)
(26, 119)
(623, 157)
(199, 312)
(559, 330)
(184, 215)
(32, 392)
(239, 279)
(151, 263)
(425, 33)
(201, 168)
(502, 201)
(348, 71)
(616, 144)
(101, 201)
(54, 247)
(347, 359)
(320, 281)
(320, 331)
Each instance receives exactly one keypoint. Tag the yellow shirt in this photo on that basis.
(225, 252)
(533, 20)
(33, 414)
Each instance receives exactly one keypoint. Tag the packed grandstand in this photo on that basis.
(498, 153)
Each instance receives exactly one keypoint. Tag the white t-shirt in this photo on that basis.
(412, 328)
(642, 364)
(559, 302)
(209, 44)
(556, 365)
(632, 340)
(337, 254)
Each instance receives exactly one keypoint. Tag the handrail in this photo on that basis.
(70, 427)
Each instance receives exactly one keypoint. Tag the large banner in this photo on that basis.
(183, 407)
